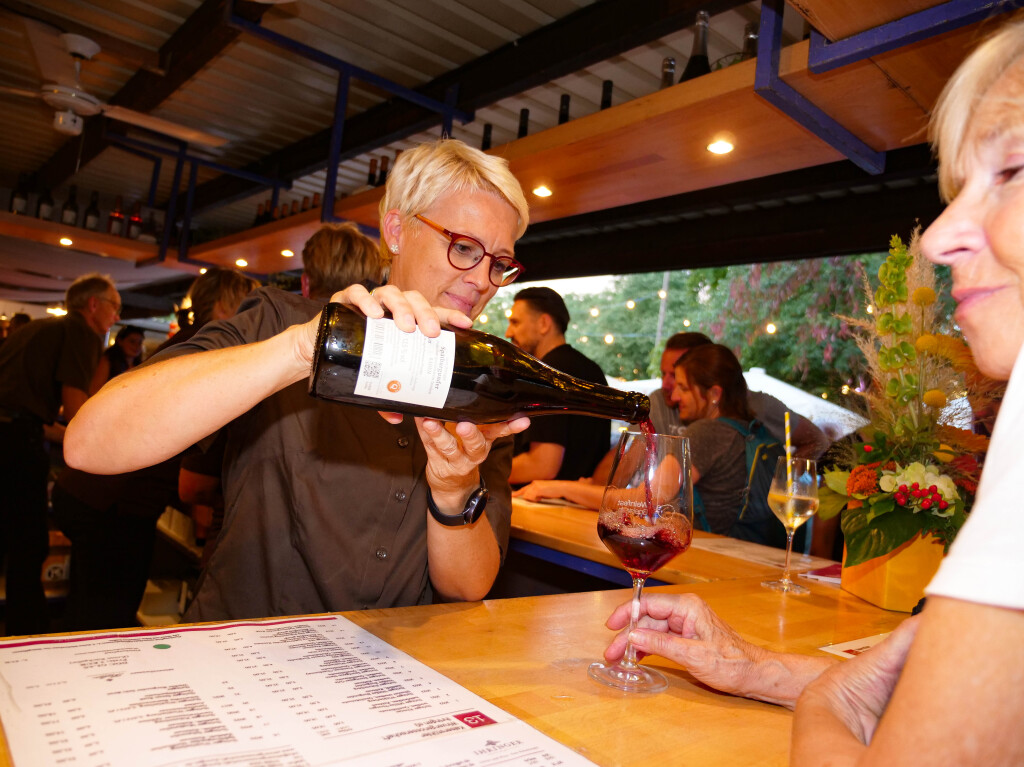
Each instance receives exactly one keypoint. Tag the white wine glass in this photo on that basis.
(646, 519)
(793, 496)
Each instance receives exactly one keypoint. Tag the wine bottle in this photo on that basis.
(750, 35)
(92, 213)
(115, 220)
(485, 142)
(135, 221)
(371, 177)
(305, 203)
(149, 231)
(606, 93)
(524, 122)
(383, 176)
(316, 199)
(295, 208)
(44, 206)
(563, 109)
(668, 71)
(463, 375)
(19, 197)
(259, 215)
(69, 213)
(698, 63)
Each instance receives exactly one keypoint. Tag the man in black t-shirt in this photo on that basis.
(555, 446)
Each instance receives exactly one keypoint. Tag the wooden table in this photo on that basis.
(530, 656)
(567, 536)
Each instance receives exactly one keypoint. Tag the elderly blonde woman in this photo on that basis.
(328, 507)
(947, 688)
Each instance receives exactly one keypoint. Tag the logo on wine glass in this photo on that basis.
(394, 387)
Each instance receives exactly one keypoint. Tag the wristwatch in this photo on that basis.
(475, 506)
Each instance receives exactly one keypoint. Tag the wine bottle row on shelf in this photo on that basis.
(118, 222)
(267, 211)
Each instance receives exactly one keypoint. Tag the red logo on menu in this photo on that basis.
(474, 719)
(394, 387)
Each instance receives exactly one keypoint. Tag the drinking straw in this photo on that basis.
(789, 464)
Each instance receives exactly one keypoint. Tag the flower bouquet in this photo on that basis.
(915, 472)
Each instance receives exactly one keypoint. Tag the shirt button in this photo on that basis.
(382, 553)
(400, 495)
(403, 442)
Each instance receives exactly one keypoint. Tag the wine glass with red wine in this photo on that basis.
(646, 519)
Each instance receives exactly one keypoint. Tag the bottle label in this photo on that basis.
(69, 217)
(405, 367)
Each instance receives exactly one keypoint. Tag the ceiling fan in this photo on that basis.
(60, 56)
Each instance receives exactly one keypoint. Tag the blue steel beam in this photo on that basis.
(154, 177)
(772, 89)
(334, 149)
(826, 55)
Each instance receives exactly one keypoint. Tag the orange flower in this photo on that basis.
(863, 481)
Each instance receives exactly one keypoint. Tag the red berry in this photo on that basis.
(903, 488)
(917, 493)
(868, 448)
(901, 499)
(926, 504)
(914, 486)
(933, 489)
(943, 505)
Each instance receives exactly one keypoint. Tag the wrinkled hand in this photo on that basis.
(858, 690)
(682, 628)
(454, 451)
(409, 309)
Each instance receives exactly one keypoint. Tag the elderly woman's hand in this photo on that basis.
(683, 628)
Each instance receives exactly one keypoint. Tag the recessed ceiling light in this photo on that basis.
(241, 263)
(66, 242)
(542, 191)
(287, 253)
(720, 146)
(203, 270)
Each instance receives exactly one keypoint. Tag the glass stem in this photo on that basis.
(629, 657)
(789, 550)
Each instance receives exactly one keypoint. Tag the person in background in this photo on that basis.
(328, 506)
(111, 519)
(124, 354)
(18, 320)
(45, 371)
(336, 256)
(946, 687)
(555, 446)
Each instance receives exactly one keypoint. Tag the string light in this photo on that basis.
(609, 339)
(595, 312)
(845, 389)
(770, 328)
(584, 339)
(686, 323)
(483, 318)
(631, 304)
(870, 309)
(508, 313)
(824, 395)
(662, 295)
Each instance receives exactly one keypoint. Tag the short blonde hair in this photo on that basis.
(962, 96)
(76, 297)
(425, 173)
(226, 286)
(337, 256)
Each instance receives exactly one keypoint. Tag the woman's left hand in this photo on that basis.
(455, 452)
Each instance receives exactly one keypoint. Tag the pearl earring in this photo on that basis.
(394, 248)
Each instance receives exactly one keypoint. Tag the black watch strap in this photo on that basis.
(474, 508)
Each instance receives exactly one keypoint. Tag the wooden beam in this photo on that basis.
(202, 37)
(590, 35)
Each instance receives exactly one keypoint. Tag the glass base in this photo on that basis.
(786, 586)
(633, 679)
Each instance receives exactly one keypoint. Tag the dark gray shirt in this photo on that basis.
(325, 503)
(719, 453)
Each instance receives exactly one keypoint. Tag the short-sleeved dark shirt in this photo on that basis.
(41, 358)
(325, 503)
(585, 438)
(719, 454)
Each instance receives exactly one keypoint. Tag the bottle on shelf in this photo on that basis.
(149, 231)
(259, 215)
(464, 375)
(69, 213)
(524, 122)
(267, 206)
(295, 208)
(668, 72)
(563, 109)
(606, 93)
(485, 142)
(115, 220)
(316, 199)
(19, 197)
(698, 63)
(371, 176)
(92, 213)
(382, 177)
(305, 203)
(276, 213)
(750, 35)
(135, 221)
(44, 206)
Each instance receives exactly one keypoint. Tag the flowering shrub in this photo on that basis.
(916, 472)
